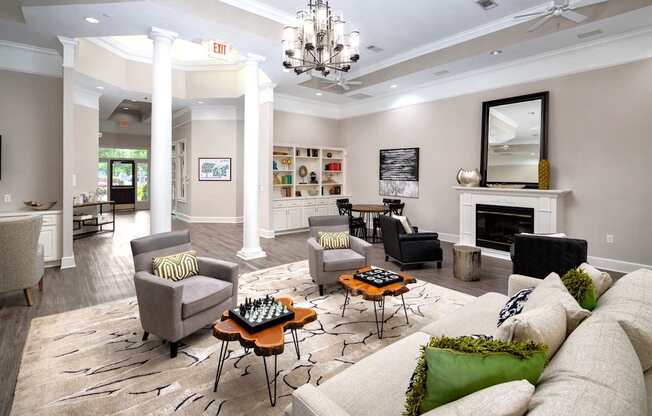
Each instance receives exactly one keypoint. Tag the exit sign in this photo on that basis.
(218, 49)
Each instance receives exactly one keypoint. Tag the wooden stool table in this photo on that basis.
(375, 294)
(466, 263)
(265, 343)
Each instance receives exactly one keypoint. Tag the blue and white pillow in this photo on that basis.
(514, 305)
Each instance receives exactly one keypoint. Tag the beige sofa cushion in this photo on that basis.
(629, 301)
(546, 325)
(595, 372)
(550, 291)
(376, 385)
(507, 399)
(601, 280)
(479, 316)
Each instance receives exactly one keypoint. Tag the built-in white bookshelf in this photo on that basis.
(307, 172)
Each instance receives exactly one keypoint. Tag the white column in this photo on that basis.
(266, 150)
(69, 55)
(161, 143)
(251, 237)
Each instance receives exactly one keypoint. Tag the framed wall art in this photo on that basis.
(399, 172)
(215, 169)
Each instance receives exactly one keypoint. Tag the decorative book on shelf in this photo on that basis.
(378, 277)
(254, 315)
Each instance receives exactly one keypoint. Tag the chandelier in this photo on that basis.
(318, 41)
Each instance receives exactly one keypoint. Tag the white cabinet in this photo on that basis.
(293, 215)
(51, 234)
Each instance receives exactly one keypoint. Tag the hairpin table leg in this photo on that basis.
(224, 348)
(272, 401)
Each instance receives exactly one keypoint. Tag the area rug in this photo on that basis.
(92, 361)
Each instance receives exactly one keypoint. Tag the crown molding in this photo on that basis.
(19, 57)
(601, 53)
(69, 51)
(263, 10)
(292, 104)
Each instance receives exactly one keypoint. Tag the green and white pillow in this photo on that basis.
(334, 240)
(176, 267)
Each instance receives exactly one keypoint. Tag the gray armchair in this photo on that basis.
(327, 265)
(174, 310)
(21, 256)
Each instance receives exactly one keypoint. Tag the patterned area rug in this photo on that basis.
(92, 361)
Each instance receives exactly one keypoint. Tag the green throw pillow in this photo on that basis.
(333, 241)
(451, 368)
(176, 266)
(581, 286)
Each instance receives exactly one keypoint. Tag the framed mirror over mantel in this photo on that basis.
(514, 140)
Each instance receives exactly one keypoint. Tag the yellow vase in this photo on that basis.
(544, 174)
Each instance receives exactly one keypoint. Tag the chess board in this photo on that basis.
(254, 315)
(378, 277)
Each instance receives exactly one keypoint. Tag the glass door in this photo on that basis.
(122, 183)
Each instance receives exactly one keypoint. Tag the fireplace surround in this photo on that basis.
(546, 206)
(496, 225)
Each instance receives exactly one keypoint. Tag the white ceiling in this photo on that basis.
(403, 30)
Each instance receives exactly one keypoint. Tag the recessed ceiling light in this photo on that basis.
(99, 87)
(393, 86)
(318, 94)
(92, 20)
(533, 154)
(496, 52)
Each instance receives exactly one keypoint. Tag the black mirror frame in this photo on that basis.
(543, 152)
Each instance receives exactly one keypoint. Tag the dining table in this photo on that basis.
(368, 212)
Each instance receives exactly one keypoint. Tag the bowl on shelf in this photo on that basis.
(313, 192)
(39, 206)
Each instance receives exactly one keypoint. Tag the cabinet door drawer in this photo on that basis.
(48, 240)
(49, 220)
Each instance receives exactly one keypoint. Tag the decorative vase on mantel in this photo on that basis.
(469, 177)
(544, 174)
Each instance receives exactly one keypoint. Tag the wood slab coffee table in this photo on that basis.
(265, 343)
(375, 294)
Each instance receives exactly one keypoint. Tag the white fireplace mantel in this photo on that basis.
(547, 205)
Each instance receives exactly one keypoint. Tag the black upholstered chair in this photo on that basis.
(539, 255)
(408, 249)
(357, 226)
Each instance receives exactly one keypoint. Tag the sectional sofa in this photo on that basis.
(602, 368)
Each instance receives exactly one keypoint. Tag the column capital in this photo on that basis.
(158, 33)
(69, 51)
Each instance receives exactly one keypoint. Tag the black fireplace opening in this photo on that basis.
(495, 226)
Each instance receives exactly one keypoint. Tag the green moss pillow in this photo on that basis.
(451, 368)
(580, 285)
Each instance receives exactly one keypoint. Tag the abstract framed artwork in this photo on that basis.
(399, 172)
(215, 169)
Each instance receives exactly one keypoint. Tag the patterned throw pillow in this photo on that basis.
(334, 241)
(514, 305)
(176, 266)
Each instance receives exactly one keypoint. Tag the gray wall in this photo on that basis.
(87, 122)
(306, 130)
(600, 147)
(31, 127)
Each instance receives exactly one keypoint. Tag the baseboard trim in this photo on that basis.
(617, 265)
(251, 254)
(68, 262)
(265, 233)
(208, 220)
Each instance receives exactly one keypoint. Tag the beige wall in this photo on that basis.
(125, 141)
(307, 130)
(86, 141)
(31, 130)
(600, 146)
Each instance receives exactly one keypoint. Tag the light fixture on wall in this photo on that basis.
(318, 42)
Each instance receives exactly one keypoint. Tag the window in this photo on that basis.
(122, 174)
(111, 153)
(102, 180)
(142, 181)
(179, 170)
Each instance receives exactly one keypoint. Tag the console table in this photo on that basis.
(97, 220)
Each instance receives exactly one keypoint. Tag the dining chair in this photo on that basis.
(396, 208)
(376, 232)
(357, 226)
(343, 201)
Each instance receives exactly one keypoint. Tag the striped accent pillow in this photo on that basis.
(334, 241)
(176, 267)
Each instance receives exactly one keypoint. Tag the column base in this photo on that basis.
(250, 254)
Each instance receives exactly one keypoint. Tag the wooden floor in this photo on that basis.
(105, 268)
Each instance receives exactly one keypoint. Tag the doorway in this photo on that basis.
(122, 183)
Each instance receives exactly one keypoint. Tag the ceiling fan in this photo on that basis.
(561, 8)
(339, 82)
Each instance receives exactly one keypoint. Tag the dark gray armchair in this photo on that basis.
(174, 310)
(327, 265)
(407, 249)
